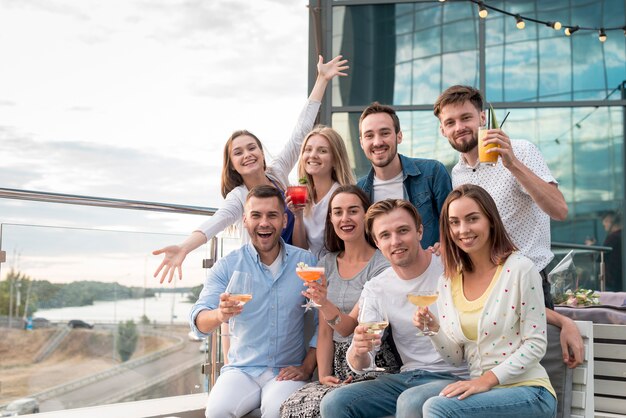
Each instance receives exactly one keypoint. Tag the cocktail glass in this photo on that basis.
(423, 299)
(239, 289)
(373, 315)
(298, 195)
(310, 274)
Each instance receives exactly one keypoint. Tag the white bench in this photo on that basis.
(609, 362)
(582, 398)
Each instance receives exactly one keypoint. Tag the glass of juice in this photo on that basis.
(483, 156)
(309, 274)
(298, 195)
(423, 299)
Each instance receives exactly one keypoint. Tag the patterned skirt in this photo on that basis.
(305, 403)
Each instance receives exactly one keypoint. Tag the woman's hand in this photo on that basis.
(423, 315)
(173, 260)
(465, 388)
(333, 381)
(298, 211)
(332, 68)
(317, 292)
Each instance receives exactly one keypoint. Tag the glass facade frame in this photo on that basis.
(567, 95)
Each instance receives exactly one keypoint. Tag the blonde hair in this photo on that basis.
(342, 172)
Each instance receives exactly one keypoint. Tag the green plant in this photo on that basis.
(127, 337)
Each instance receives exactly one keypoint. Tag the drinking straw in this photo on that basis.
(504, 120)
(489, 118)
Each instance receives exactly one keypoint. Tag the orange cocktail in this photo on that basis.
(310, 274)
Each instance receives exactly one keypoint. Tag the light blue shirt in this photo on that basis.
(270, 329)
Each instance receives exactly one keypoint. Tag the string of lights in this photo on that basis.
(520, 21)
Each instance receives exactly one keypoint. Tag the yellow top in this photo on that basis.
(470, 310)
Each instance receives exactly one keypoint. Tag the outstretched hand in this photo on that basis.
(332, 68)
(173, 260)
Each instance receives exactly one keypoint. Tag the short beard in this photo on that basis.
(465, 147)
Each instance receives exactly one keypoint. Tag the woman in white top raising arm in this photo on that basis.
(244, 168)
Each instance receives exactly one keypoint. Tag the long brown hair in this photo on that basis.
(230, 177)
(342, 172)
(454, 259)
(332, 242)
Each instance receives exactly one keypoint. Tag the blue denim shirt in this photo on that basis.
(270, 329)
(426, 185)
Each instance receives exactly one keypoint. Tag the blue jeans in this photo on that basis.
(522, 401)
(402, 394)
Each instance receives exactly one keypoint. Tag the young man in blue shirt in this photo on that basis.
(425, 183)
(268, 360)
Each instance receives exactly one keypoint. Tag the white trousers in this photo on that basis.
(236, 393)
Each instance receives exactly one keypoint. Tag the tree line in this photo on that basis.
(27, 293)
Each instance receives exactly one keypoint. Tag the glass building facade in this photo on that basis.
(566, 94)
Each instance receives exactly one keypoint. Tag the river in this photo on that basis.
(163, 308)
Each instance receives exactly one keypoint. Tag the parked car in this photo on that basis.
(21, 407)
(77, 323)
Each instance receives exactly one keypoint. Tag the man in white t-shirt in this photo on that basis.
(521, 184)
(396, 228)
(423, 182)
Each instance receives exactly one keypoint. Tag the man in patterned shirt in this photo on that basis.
(525, 192)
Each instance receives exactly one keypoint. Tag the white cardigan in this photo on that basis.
(511, 330)
(231, 212)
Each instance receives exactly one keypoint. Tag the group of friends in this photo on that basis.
(480, 237)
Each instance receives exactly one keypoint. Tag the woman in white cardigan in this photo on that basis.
(244, 168)
(491, 315)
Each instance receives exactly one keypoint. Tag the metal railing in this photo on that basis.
(103, 202)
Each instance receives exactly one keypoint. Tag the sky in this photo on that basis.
(134, 99)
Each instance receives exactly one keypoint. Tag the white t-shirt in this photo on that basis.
(314, 224)
(388, 189)
(526, 223)
(416, 352)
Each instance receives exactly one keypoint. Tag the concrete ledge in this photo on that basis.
(186, 406)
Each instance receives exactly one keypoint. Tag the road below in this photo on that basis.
(116, 386)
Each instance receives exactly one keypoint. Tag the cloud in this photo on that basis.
(103, 170)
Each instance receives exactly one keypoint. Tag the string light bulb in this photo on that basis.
(602, 35)
(482, 10)
(571, 29)
(520, 22)
(555, 25)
